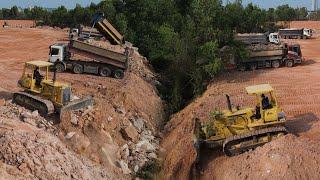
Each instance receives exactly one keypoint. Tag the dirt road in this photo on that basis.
(20, 45)
(298, 92)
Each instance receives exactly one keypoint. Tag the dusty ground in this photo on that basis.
(94, 139)
(305, 24)
(98, 135)
(298, 92)
(19, 23)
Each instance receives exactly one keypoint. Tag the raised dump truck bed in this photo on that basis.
(101, 60)
(108, 31)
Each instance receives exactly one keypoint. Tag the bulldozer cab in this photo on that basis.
(31, 81)
(266, 102)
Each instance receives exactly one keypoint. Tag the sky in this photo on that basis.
(275, 3)
(72, 3)
(45, 3)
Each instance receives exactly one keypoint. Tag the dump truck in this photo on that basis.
(261, 53)
(5, 24)
(270, 55)
(295, 33)
(98, 60)
(257, 38)
(237, 130)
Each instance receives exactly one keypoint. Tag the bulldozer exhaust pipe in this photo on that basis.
(54, 74)
(229, 102)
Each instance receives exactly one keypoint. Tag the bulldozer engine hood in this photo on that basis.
(239, 112)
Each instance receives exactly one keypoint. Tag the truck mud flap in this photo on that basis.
(76, 105)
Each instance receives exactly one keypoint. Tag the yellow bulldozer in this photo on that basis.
(237, 130)
(44, 94)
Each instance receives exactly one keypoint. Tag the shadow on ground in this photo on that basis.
(301, 123)
(308, 62)
(6, 95)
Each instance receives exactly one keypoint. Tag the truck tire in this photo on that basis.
(118, 74)
(275, 64)
(289, 63)
(78, 69)
(253, 66)
(60, 67)
(105, 71)
(242, 67)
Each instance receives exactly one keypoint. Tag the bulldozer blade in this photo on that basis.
(77, 104)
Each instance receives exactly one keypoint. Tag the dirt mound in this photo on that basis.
(27, 152)
(137, 63)
(305, 24)
(125, 113)
(288, 157)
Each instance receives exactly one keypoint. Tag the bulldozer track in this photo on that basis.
(271, 133)
(44, 107)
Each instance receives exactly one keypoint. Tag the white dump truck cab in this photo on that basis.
(274, 38)
(307, 32)
(57, 53)
(75, 30)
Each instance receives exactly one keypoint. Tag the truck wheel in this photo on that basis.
(275, 64)
(77, 69)
(119, 74)
(60, 67)
(253, 66)
(242, 68)
(289, 63)
(105, 72)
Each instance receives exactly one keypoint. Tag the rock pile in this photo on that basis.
(139, 142)
(141, 148)
(12, 111)
(29, 151)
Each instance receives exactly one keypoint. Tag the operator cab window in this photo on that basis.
(29, 71)
(267, 101)
(54, 51)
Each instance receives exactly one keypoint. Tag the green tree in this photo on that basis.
(60, 17)
(285, 13)
(14, 12)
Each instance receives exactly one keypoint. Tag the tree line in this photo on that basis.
(181, 38)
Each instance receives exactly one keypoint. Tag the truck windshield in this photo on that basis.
(54, 51)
